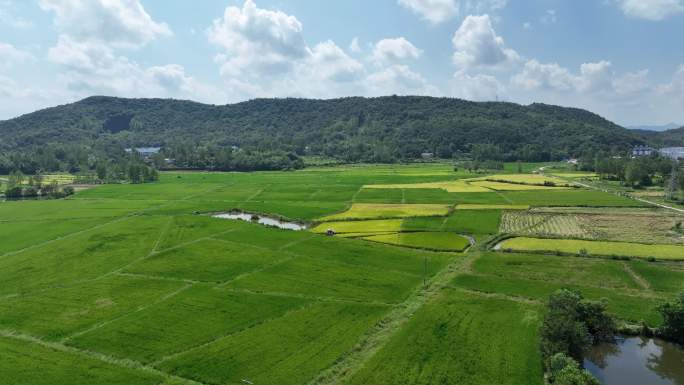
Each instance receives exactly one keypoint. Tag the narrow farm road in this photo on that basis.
(541, 171)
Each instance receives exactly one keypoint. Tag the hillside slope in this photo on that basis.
(402, 126)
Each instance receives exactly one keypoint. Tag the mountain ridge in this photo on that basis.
(351, 127)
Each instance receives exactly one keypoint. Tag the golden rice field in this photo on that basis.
(502, 186)
(457, 186)
(386, 210)
(523, 178)
(598, 248)
(360, 227)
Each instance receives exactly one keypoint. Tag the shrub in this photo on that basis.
(30, 192)
(14, 192)
(566, 371)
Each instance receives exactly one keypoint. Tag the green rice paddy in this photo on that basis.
(139, 284)
(441, 241)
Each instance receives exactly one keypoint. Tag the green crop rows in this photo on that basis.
(139, 284)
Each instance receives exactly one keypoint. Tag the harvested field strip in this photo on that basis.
(601, 248)
(530, 223)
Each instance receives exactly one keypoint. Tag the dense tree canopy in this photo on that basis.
(352, 129)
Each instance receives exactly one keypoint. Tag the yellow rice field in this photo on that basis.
(377, 210)
(371, 226)
(603, 248)
(457, 186)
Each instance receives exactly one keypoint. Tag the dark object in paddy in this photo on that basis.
(330, 232)
(255, 217)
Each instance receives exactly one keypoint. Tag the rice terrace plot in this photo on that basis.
(397, 278)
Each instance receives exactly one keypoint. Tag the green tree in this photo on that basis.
(673, 319)
(16, 178)
(101, 170)
(636, 174)
(572, 324)
(485, 151)
(562, 330)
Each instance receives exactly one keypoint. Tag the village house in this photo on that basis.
(144, 151)
(642, 151)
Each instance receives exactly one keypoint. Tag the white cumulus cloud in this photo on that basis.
(399, 80)
(397, 49)
(93, 39)
(257, 40)
(434, 11)
(440, 11)
(263, 53)
(597, 78)
(536, 75)
(477, 87)
(11, 55)
(476, 44)
(120, 23)
(654, 10)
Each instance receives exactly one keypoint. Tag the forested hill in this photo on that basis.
(674, 137)
(352, 128)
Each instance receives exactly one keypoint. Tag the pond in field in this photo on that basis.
(637, 361)
(262, 219)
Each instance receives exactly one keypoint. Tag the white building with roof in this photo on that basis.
(672, 152)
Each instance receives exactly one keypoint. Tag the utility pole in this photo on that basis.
(425, 272)
(672, 187)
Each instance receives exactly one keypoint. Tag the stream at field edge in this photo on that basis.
(637, 361)
(262, 220)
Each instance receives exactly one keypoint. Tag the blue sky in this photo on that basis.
(623, 59)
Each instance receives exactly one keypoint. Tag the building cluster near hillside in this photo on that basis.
(144, 151)
(668, 152)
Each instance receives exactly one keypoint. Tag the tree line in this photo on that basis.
(34, 186)
(217, 158)
(26, 169)
(639, 172)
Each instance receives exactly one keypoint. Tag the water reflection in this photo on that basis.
(637, 361)
(262, 219)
